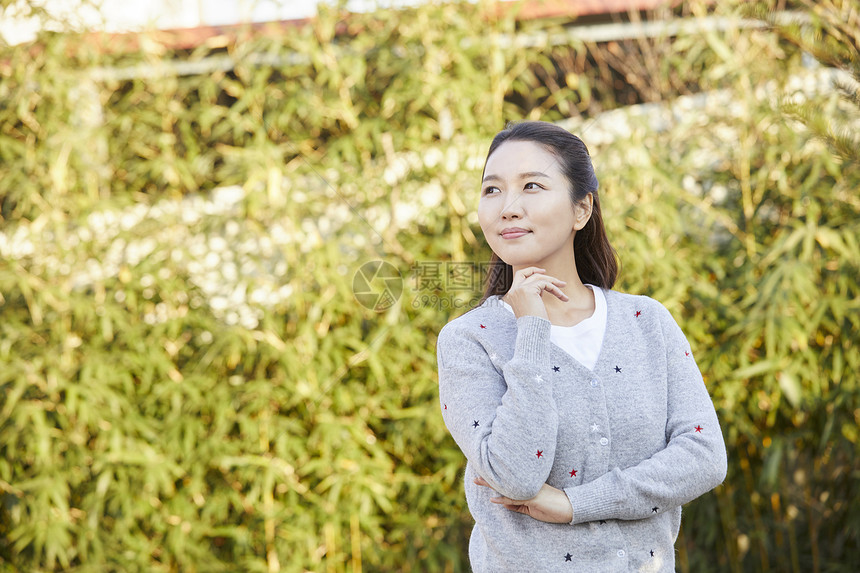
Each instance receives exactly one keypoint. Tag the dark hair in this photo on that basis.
(595, 258)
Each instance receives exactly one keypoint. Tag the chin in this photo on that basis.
(514, 262)
(511, 257)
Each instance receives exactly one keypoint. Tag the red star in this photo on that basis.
(698, 428)
(482, 326)
(638, 312)
(540, 453)
(686, 353)
(446, 406)
(573, 473)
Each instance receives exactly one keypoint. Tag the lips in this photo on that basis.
(513, 232)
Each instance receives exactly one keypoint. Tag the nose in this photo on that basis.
(512, 208)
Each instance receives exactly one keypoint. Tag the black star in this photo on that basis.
(602, 522)
(654, 509)
(555, 368)
(476, 424)
(652, 553)
(617, 369)
(568, 557)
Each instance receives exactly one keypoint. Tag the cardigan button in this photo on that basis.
(621, 553)
(603, 441)
(594, 382)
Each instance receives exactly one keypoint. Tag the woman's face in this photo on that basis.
(525, 209)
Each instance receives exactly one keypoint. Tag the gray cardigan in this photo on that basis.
(629, 442)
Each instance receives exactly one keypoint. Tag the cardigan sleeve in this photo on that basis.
(693, 462)
(504, 420)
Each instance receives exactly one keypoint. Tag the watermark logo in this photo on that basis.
(377, 285)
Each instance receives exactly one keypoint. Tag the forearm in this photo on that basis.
(686, 469)
(506, 424)
(692, 462)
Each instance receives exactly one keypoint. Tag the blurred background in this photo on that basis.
(231, 231)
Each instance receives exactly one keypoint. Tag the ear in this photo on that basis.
(583, 212)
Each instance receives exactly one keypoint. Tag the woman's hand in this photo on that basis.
(550, 504)
(528, 285)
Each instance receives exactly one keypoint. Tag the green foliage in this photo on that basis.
(830, 32)
(190, 384)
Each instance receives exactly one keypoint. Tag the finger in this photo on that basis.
(517, 508)
(551, 288)
(481, 481)
(537, 277)
(555, 287)
(559, 293)
(529, 271)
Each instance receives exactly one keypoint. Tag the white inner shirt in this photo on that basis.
(584, 339)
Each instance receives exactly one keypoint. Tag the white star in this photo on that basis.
(594, 428)
(493, 356)
(538, 378)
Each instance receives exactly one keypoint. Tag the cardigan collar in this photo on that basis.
(614, 323)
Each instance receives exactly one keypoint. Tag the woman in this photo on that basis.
(581, 411)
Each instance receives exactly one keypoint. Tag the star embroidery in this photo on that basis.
(539, 453)
(446, 406)
(618, 369)
(698, 429)
(602, 522)
(538, 378)
(595, 427)
(555, 368)
(482, 326)
(686, 353)
(638, 312)
(652, 553)
(654, 509)
(568, 557)
(476, 424)
(493, 356)
(573, 473)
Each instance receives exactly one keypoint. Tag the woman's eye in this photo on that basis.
(533, 186)
(489, 190)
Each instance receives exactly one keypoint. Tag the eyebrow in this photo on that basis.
(527, 175)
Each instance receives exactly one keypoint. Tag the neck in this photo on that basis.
(579, 296)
